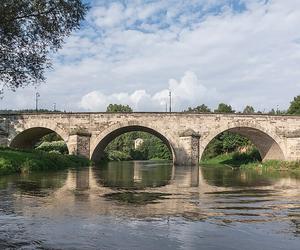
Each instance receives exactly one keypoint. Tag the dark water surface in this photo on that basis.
(150, 205)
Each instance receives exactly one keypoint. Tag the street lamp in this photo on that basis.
(170, 100)
(37, 95)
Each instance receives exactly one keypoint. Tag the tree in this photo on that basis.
(224, 108)
(248, 110)
(199, 109)
(118, 108)
(295, 106)
(272, 112)
(29, 31)
(232, 141)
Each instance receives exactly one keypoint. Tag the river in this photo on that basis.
(150, 205)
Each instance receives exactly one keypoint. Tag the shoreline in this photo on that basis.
(22, 161)
(248, 163)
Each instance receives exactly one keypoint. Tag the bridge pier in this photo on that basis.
(188, 153)
(79, 144)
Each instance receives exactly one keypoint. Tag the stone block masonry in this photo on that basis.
(186, 135)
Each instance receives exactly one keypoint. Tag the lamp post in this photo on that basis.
(37, 95)
(170, 100)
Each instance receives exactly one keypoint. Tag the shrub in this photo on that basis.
(14, 161)
(115, 155)
(6, 166)
(246, 157)
(59, 146)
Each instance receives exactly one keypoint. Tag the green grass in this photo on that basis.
(235, 159)
(218, 159)
(251, 160)
(274, 165)
(18, 161)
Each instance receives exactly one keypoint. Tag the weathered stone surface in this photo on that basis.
(187, 135)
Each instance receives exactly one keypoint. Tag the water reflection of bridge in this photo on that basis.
(87, 185)
(189, 192)
(89, 179)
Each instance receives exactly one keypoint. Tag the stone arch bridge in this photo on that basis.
(186, 135)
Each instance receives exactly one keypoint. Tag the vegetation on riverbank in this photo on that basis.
(273, 165)
(19, 161)
(53, 146)
(235, 158)
(251, 160)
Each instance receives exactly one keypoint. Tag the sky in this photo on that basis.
(240, 52)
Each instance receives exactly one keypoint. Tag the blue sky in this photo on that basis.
(241, 52)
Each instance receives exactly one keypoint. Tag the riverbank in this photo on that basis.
(251, 161)
(20, 161)
(273, 165)
(234, 159)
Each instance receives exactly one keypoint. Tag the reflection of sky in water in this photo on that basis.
(153, 203)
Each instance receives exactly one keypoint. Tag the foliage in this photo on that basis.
(152, 148)
(17, 161)
(118, 108)
(50, 137)
(273, 165)
(249, 110)
(29, 30)
(232, 141)
(214, 148)
(224, 143)
(277, 112)
(295, 106)
(199, 109)
(224, 108)
(272, 112)
(114, 155)
(235, 158)
(252, 155)
(58, 146)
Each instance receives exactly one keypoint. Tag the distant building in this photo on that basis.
(138, 143)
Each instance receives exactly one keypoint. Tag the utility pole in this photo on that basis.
(170, 99)
(54, 106)
(37, 95)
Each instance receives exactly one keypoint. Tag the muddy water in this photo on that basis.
(150, 205)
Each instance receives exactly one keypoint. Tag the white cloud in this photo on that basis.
(186, 92)
(108, 17)
(129, 52)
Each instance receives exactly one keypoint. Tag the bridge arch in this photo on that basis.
(30, 135)
(99, 143)
(269, 145)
